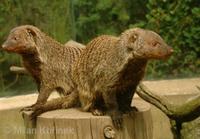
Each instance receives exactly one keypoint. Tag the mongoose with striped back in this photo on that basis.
(110, 68)
(48, 61)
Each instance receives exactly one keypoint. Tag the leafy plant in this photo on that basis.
(178, 23)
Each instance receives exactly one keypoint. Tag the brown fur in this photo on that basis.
(48, 61)
(110, 68)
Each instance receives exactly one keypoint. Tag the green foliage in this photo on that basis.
(94, 18)
(178, 23)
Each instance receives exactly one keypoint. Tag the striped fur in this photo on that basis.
(48, 61)
(110, 68)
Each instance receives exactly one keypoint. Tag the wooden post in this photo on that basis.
(74, 124)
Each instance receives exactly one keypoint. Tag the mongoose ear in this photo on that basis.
(132, 38)
(31, 32)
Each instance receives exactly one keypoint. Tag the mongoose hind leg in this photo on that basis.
(71, 100)
(89, 103)
(87, 100)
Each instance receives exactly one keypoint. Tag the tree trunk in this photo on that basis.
(74, 124)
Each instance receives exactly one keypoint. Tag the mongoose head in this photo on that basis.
(145, 44)
(21, 39)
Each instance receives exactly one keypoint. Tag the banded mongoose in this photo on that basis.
(110, 68)
(48, 61)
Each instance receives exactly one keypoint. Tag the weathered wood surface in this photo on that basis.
(74, 124)
(180, 116)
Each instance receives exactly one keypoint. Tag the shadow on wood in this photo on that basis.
(74, 124)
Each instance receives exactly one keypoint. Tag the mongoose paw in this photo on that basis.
(28, 108)
(37, 110)
(117, 119)
(97, 112)
(130, 111)
(134, 109)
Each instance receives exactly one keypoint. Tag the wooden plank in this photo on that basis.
(66, 129)
(30, 125)
(98, 123)
(83, 129)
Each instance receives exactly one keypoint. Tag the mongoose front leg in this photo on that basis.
(112, 108)
(68, 101)
(42, 99)
(125, 103)
(48, 106)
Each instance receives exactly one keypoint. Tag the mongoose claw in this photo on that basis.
(97, 112)
(117, 119)
(36, 111)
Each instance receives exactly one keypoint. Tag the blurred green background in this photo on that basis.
(177, 21)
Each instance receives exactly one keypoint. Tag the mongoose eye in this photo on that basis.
(15, 38)
(155, 44)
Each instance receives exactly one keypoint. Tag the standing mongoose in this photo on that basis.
(48, 61)
(110, 68)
